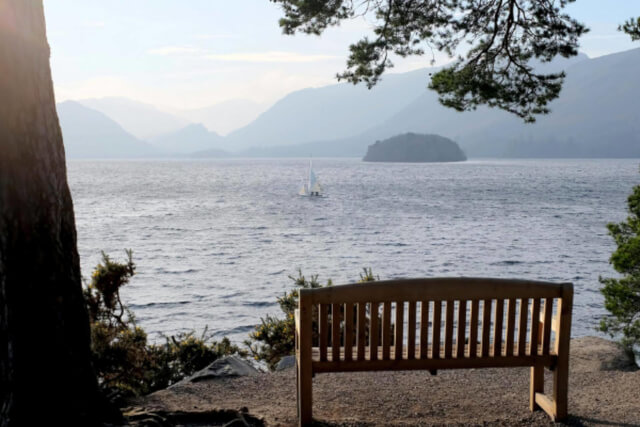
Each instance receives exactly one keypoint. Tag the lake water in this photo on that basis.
(215, 241)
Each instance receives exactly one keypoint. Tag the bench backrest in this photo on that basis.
(437, 318)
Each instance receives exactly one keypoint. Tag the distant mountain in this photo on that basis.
(595, 116)
(329, 112)
(415, 148)
(88, 133)
(226, 116)
(191, 138)
(142, 120)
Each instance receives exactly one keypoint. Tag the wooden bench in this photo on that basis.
(440, 323)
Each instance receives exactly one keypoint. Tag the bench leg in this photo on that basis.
(536, 386)
(561, 390)
(304, 382)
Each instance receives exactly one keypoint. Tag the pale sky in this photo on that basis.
(196, 53)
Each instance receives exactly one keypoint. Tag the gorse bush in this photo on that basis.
(622, 295)
(126, 364)
(118, 346)
(274, 337)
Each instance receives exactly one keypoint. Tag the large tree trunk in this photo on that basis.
(46, 377)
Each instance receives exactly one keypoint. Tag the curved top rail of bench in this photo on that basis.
(434, 289)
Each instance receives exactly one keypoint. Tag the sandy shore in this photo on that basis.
(604, 391)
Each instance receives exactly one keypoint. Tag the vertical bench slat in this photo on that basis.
(486, 326)
(335, 331)
(373, 331)
(448, 328)
(462, 328)
(548, 315)
(535, 323)
(386, 329)
(435, 330)
(424, 329)
(473, 328)
(522, 326)
(411, 331)
(511, 324)
(362, 329)
(399, 337)
(348, 332)
(323, 330)
(497, 328)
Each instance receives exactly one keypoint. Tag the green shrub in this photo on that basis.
(622, 295)
(274, 337)
(126, 364)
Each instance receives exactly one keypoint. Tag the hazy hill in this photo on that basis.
(191, 138)
(88, 133)
(415, 148)
(142, 120)
(596, 116)
(226, 116)
(329, 112)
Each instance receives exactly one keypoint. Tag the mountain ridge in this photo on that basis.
(88, 133)
(142, 120)
(594, 117)
(189, 139)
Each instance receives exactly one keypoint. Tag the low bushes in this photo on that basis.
(125, 362)
(128, 365)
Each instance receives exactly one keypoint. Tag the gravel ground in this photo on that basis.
(604, 391)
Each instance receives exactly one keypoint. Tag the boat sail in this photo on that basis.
(312, 186)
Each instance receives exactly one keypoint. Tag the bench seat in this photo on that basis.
(379, 364)
(315, 354)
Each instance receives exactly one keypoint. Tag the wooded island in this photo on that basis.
(413, 147)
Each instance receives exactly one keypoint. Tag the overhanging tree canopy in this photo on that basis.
(505, 37)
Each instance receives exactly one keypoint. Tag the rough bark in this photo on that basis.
(46, 377)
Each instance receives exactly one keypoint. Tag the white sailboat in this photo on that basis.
(311, 187)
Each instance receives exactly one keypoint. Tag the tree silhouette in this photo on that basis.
(46, 376)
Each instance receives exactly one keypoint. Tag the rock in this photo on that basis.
(225, 367)
(286, 363)
(591, 354)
